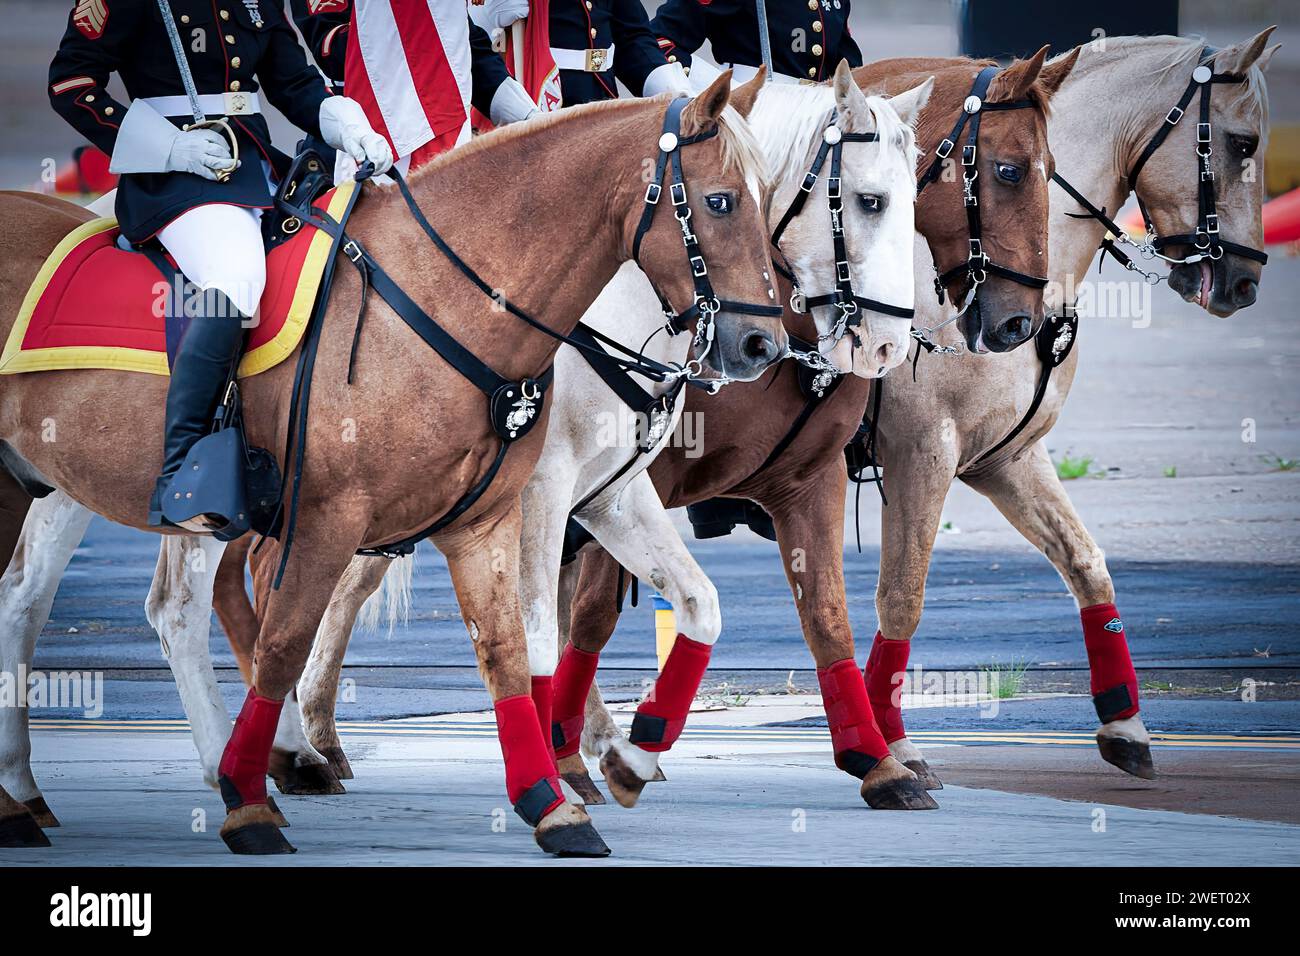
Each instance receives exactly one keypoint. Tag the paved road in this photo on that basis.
(132, 798)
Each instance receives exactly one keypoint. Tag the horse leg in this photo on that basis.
(484, 559)
(1028, 492)
(324, 544)
(573, 769)
(637, 532)
(234, 611)
(318, 687)
(179, 608)
(920, 471)
(809, 522)
(51, 532)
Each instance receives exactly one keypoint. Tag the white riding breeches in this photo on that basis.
(219, 246)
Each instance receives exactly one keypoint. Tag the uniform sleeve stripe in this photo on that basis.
(75, 83)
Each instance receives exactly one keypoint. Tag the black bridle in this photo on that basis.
(1204, 238)
(706, 305)
(978, 266)
(844, 298)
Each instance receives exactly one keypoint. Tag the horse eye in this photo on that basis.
(720, 204)
(1007, 172)
(872, 204)
(1243, 145)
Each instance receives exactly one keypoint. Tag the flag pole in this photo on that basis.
(517, 42)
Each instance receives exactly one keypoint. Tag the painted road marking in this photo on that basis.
(434, 728)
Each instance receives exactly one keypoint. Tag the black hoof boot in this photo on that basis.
(21, 829)
(45, 817)
(1129, 755)
(924, 774)
(575, 840)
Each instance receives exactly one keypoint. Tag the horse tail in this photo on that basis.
(392, 601)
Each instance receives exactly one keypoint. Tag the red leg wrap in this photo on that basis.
(660, 718)
(885, 673)
(1114, 682)
(543, 693)
(854, 734)
(531, 781)
(572, 683)
(242, 771)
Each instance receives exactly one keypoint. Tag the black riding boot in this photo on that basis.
(208, 348)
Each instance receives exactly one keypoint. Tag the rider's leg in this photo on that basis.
(219, 249)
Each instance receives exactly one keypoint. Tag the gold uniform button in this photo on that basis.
(812, 71)
(672, 59)
(185, 18)
(817, 49)
(234, 86)
(90, 97)
(225, 14)
(234, 61)
(817, 26)
(588, 4)
(812, 4)
(593, 33)
(108, 111)
(229, 38)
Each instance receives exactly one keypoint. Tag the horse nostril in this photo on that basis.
(1016, 328)
(883, 354)
(760, 347)
(1244, 292)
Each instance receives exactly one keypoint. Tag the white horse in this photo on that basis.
(626, 515)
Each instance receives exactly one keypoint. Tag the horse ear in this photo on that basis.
(1267, 55)
(908, 105)
(743, 96)
(850, 102)
(703, 111)
(1053, 74)
(1240, 57)
(1014, 82)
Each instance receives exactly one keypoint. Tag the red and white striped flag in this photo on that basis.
(408, 65)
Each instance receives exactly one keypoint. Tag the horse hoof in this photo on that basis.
(251, 831)
(281, 820)
(625, 784)
(338, 761)
(21, 829)
(891, 786)
(574, 772)
(39, 809)
(568, 831)
(1129, 755)
(924, 774)
(309, 779)
(659, 776)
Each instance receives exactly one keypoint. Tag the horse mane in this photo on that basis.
(788, 122)
(1184, 54)
(740, 151)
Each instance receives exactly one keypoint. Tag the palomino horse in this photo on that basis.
(943, 424)
(413, 419)
(747, 427)
(179, 610)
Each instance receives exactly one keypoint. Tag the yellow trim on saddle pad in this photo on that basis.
(116, 358)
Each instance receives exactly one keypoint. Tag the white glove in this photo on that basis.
(493, 15)
(669, 78)
(511, 103)
(149, 143)
(344, 126)
(203, 152)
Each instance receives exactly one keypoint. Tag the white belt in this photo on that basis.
(741, 73)
(589, 61)
(212, 104)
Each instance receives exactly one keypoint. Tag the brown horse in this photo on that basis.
(944, 424)
(803, 486)
(373, 445)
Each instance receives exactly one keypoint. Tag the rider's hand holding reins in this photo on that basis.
(344, 126)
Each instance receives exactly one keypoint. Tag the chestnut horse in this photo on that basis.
(407, 414)
(948, 422)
